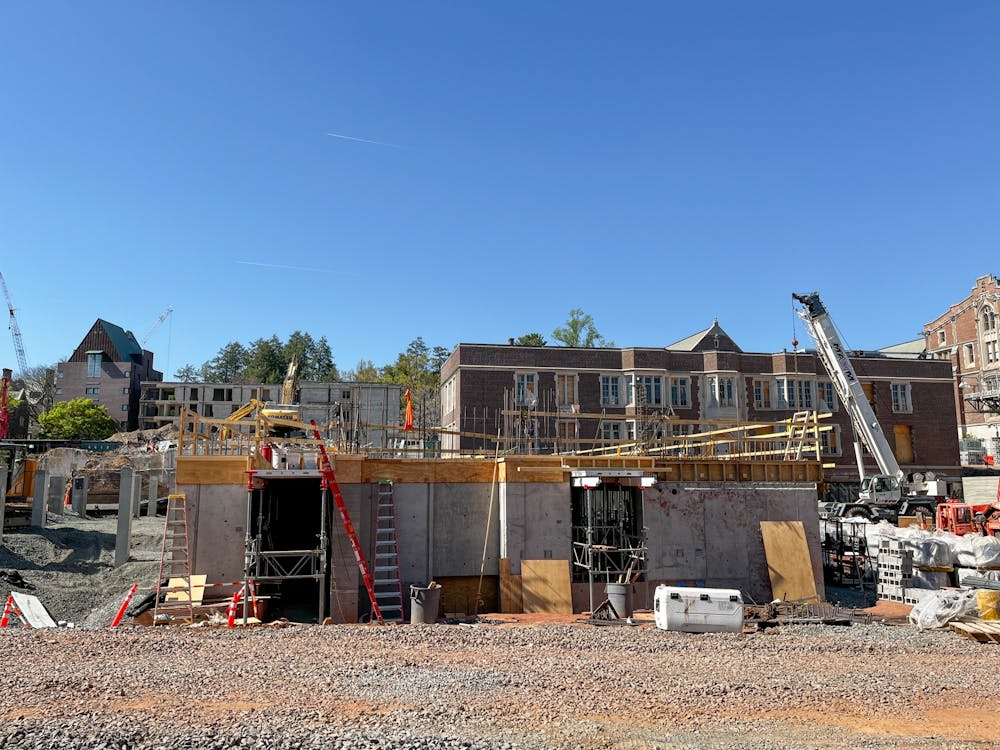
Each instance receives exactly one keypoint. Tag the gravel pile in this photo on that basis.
(69, 565)
(496, 687)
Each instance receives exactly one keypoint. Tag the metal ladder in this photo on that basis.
(175, 560)
(330, 483)
(387, 583)
(799, 428)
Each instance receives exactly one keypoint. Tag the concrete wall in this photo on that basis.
(535, 522)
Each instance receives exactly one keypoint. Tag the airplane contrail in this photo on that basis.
(363, 140)
(276, 265)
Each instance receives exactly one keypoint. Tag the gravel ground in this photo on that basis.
(496, 687)
(69, 565)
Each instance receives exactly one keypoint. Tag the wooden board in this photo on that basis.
(788, 561)
(197, 589)
(545, 587)
(983, 631)
(458, 594)
(510, 589)
(212, 470)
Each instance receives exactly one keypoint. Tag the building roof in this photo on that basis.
(915, 348)
(123, 341)
(713, 338)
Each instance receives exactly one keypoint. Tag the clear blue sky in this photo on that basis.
(656, 164)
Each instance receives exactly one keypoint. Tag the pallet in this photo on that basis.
(983, 631)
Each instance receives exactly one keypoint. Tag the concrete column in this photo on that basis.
(154, 489)
(79, 496)
(3, 498)
(56, 494)
(38, 502)
(136, 494)
(124, 537)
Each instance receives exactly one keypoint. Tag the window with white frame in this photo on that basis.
(94, 364)
(652, 389)
(610, 390)
(524, 389)
(721, 391)
(566, 431)
(827, 396)
(611, 430)
(988, 317)
(448, 399)
(680, 430)
(991, 352)
(629, 393)
(124, 407)
(566, 389)
(630, 430)
(762, 394)
(942, 338)
(795, 394)
(829, 442)
(901, 401)
(679, 392)
(970, 354)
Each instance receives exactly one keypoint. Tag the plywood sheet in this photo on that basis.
(197, 589)
(545, 587)
(510, 589)
(459, 593)
(211, 470)
(788, 563)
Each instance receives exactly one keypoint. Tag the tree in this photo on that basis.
(188, 374)
(79, 419)
(580, 331)
(364, 371)
(530, 339)
(228, 366)
(266, 361)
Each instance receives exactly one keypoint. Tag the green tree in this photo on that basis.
(530, 339)
(228, 366)
(266, 361)
(580, 331)
(79, 419)
(364, 371)
(188, 374)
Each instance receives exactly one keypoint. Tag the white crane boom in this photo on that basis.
(156, 325)
(15, 331)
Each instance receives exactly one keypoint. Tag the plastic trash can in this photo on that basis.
(619, 596)
(424, 604)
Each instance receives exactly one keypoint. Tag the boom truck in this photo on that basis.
(890, 493)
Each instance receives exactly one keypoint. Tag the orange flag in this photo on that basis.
(408, 424)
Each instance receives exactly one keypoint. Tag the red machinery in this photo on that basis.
(964, 518)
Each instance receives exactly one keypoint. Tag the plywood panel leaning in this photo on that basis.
(545, 587)
(788, 562)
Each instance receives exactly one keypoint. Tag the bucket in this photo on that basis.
(424, 603)
(988, 602)
(619, 596)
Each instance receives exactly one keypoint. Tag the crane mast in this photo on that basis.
(834, 357)
(15, 331)
(156, 325)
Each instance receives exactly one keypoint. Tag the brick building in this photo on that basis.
(546, 399)
(966, 336)
(107, 368)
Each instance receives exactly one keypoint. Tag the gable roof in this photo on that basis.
(712, 338)
(114, 341)
(122, 340)
(914, 348)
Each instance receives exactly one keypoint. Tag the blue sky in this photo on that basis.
(656, 164)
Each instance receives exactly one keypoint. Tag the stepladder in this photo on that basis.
(177, 601)
(386, 574)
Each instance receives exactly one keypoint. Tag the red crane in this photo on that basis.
(15, 331)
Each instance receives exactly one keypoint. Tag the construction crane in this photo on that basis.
(15, 331)
(156, 325)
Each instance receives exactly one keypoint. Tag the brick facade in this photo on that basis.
(480, 381)
(107, 368)
(966, 336)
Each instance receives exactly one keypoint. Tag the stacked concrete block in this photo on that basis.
(895, 573)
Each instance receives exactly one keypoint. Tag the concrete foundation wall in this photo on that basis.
(217, 530)
(535, 522)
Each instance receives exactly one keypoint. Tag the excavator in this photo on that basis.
(286, 411)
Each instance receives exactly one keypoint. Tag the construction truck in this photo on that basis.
(890, 493)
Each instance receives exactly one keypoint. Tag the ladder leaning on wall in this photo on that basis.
(386, 582)
(175, 563)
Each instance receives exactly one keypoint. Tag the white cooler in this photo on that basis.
(694, 610)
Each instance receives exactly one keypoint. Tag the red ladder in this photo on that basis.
(330, 482)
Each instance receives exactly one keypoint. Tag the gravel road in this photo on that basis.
(546, 686)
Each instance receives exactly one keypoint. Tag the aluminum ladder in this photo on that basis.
(387, 583)
(175, 562)
(330, 483)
